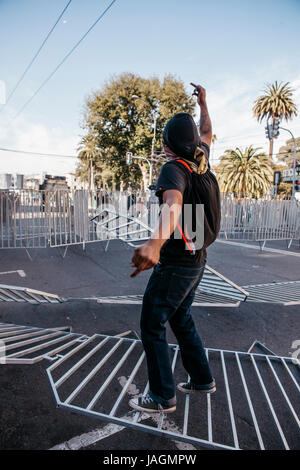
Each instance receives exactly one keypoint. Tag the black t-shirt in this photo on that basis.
(195, 189)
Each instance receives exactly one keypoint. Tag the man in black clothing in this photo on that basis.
(178, 261)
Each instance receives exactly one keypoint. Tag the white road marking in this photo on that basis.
(132, 390)
(256, 247)
(19, 271)
(89, 438)
(92, 437)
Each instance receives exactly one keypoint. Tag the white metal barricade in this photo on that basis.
(24, 219)
(259, 220)
(28, 345)
(24, 294)
(38, 219)
(256, 405)
(112, 225)
(258, 389)
(214, 290)
(285, 293)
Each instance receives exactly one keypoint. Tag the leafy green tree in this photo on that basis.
(276, 103)
(128, 115)
(248, 173)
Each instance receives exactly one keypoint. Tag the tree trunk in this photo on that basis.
(271, 149)
(271, 142)
(145, 176)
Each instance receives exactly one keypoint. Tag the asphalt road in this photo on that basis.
(29, 418)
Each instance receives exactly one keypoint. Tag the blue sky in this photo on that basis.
(233, 48)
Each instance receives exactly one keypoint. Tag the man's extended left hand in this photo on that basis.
(145, 257)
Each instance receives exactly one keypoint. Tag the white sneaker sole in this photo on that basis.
(145, 410)
(184, 390)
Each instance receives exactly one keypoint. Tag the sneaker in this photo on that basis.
(148, 405)
(188, 387)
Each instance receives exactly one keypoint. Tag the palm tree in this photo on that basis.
(247, 173)
(88, 153)
(275, 103)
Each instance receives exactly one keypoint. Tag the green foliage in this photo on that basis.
(247, 173)
(120, 118)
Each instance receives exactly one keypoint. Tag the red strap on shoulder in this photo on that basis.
(184, 238)
(185, 164)
(178, 226)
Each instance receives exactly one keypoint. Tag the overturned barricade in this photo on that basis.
(24, 294)
(256, 405)
(214, 290)
(285, 293)
(258, 389)
(27, 345)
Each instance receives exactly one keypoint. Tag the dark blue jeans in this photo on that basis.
(168, 297)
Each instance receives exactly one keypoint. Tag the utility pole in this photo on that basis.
(272, 130)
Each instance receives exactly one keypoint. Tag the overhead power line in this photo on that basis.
(56, 155)
(224, 139)
(37, 153)
(37, 53)
(65, 58)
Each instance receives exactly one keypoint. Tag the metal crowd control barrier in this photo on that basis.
(24, 219)
(24, 294)
(214, 290)
(255, 406)
(285, 293)
(260, 220)
(201, 300)
(28, 345)
(112, 225)
(38, 219)
(59, 218)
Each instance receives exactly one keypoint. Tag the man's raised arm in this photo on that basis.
(205, 127)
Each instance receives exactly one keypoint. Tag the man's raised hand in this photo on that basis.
(200, 92)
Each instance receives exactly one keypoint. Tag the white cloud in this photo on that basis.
(21, 134)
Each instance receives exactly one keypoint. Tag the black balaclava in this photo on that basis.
(181, 136)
